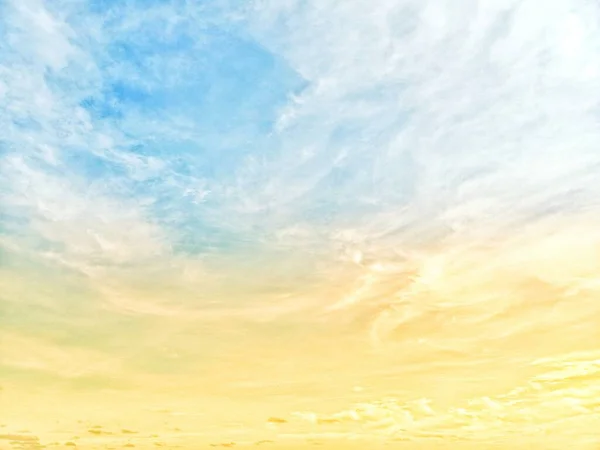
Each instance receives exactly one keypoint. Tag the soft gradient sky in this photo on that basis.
(354, 223)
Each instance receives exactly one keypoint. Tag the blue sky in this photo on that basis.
(143, 131)
(160, 105)
(256, 118)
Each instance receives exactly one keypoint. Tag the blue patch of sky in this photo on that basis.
(141, 81)
(92, 166)
(226, 85)
(102, 6)
(230, 90)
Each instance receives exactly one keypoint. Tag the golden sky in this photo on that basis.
(461, 345)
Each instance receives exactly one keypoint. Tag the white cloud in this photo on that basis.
(39, 34)
(86, 222)
(473, 115)
(553, 399)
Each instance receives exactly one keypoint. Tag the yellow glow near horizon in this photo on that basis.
(493, 345)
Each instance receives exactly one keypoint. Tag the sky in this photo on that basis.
(290, 223)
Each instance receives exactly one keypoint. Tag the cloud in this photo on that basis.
(106, 154)
(276, 420)
(22, 441)
(408, 129)
(370, 147)
(558, 397)
(48, 133)
(18, 437)
(464, 139)
(100, 432)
